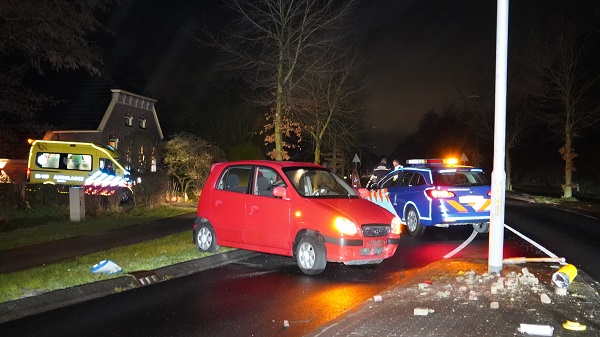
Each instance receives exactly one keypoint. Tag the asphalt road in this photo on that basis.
(254, 297)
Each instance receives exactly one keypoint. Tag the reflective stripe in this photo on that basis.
(343, 242)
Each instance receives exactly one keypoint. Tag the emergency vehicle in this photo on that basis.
(435, 192)
(65, 163)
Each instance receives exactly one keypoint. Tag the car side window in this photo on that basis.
(417, 180)
(406, 177)
(392, 181)
(265, 180)
(235, 179)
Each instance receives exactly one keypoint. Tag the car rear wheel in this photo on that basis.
(311, 255)
(206, 239)
(481, 227)
(415, 228)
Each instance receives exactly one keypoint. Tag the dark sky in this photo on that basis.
(420, 55)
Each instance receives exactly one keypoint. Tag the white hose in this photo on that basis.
(463, 245)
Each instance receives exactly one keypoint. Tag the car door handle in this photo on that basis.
(218, 203)
(254, 209)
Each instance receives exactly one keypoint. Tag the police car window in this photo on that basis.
(392, 181)
(460, 178)
(406, 178)
(416, 180)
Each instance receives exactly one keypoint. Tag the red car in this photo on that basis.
(294, 209)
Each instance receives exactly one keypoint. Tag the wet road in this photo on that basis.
(253, 297)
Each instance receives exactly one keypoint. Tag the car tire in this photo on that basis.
(481, 227)
(311, 255)
(206, 240)
(415, 228)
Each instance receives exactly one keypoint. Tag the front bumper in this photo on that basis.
(360, 251)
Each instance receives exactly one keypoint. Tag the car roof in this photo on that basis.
(439, 167)
(271, 163)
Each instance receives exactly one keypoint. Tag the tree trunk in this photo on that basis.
(278, 115)
(568, 188)
(317, 151)
(508, 169)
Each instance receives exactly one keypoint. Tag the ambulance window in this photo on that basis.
(80, 162)
(48, 160)
(106, 166)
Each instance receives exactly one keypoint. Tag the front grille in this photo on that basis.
(375, 230)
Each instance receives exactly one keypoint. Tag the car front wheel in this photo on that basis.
(311, 255)
(206, 239)
(415, 228)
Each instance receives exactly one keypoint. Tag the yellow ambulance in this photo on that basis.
(90, 165)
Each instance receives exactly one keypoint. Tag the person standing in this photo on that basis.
(378, 172)
(396, 164)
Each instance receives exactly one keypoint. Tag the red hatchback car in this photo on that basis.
(294, 209)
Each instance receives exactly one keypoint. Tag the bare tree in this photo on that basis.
(326, 106)
(556, 56)
(273, 41)
(481, 122)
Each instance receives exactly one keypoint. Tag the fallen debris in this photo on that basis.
(423, 311)
(545, 299)
(575, 326)
(536, 330)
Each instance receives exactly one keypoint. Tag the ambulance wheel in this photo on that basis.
(481, 227)
(415, 228)
(311, 255)
(206, 239)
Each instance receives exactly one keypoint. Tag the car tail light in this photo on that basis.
(440, 194)
(489, 193)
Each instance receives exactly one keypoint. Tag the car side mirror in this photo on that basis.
(280, 192)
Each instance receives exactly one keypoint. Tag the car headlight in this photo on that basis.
(345, 226)
(396, 225)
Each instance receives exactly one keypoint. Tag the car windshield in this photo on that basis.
(318, 183)
(454, 177)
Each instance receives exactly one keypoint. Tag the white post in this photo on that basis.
(496, 236)
(76, 203)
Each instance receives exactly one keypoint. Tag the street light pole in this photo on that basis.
(496, 236)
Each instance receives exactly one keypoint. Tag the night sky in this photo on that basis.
(419, 55)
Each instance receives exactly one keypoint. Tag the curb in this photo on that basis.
(28, 306)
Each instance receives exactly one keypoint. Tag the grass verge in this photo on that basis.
(65, 228)
(147, 255)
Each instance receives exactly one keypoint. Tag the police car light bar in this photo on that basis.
(448, 161)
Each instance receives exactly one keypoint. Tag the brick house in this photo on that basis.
(126, 114)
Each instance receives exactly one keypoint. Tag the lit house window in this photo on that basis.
(113, 140)
(142, 121)
(128, 119)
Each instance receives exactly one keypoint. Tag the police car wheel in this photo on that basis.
(311, 255)
(481, 227)
(415, 228)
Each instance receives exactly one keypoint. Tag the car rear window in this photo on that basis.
(454, 177)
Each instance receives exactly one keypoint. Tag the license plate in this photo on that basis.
(375, 243)
(470, 199)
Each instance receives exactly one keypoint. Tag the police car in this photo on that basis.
(435, 192)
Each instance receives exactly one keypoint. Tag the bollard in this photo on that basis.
(564, 276)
